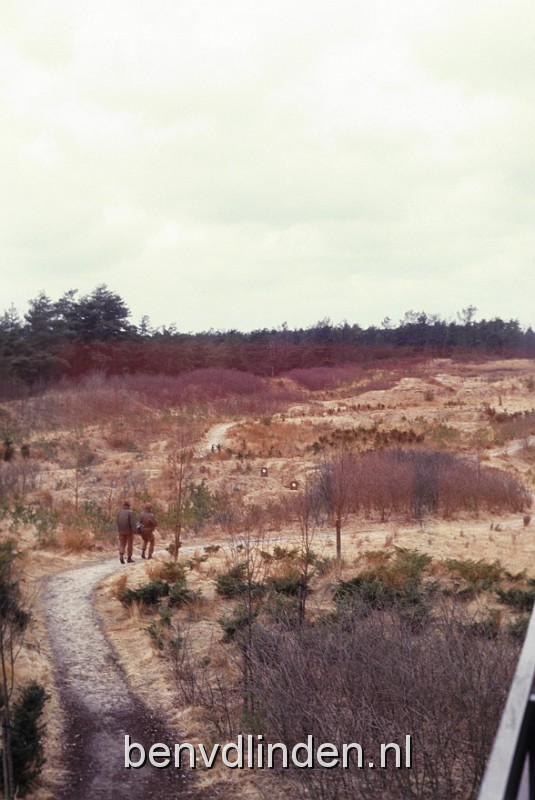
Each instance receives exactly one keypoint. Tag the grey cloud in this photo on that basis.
(244, 166)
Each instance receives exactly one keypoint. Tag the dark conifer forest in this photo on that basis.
(77, 335)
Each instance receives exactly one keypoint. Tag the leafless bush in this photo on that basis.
(99, 397)
(196, 386)
(76, 404)
(134, 482)
(318, 378)
(231, 390)
(517, 425)
(17, 478)
(275, 399)
(416, 483)
(374, 681)
(198, 684)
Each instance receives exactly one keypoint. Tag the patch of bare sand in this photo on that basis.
(507, 541)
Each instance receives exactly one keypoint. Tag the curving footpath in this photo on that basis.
(99, 708)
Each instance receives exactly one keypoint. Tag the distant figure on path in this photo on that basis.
(126, 526)
(148, 524)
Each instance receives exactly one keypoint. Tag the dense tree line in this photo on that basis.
(76, 335)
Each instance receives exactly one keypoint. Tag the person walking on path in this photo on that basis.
(148, 523)
(126, 526)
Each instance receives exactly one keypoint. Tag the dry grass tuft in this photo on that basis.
(119, 586)
(43, 498)
(73, 540)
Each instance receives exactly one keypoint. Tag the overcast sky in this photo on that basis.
(244, 163)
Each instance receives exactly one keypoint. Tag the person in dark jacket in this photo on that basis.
(126, 527)
(148, 523)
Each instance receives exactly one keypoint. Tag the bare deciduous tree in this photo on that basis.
(336, 487)
(179, 473)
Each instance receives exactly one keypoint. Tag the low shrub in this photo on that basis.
(368, 593)
(288, 584)
(200, 505)
(239, 621)
(322, 564)
(519, 599)
(475, 571)
(98, 519)
(179, 594)
(27, 735)
(147, 595)
(44, 519)
(233, 583)
(395, 579)
(283, 608)
(518, 627)
(155, 631)
(398, 568)
(280, 554)
(486, 628)
(196, 560)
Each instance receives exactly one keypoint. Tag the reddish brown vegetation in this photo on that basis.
(372, 679)
(99, 396)
(415, 483)
(512, 425)
(318, 378)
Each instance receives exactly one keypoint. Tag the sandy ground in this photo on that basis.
(216, 437)
(105, 676)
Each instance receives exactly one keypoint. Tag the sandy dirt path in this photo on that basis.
(215, 437)
(98, 706)
(512, 447)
